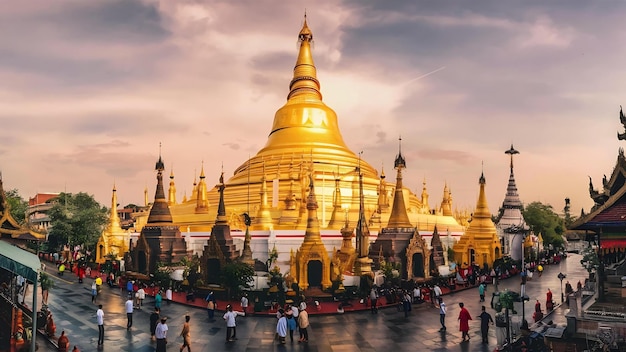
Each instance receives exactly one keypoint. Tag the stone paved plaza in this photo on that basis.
(387, 331)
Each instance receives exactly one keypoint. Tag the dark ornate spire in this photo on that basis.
(399, 217)
(160, 212)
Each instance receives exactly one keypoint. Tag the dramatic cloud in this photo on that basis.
(91, 89)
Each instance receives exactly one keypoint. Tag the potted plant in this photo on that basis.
(46, 284)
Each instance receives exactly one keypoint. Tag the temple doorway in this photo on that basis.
(472, 256)
(101, 252)
(142, 263)
(314, 268)
(497, 253)
(213, 271)
(418, 265)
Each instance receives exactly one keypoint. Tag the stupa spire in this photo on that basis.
(304, 80)
(399, 217)
(221, 208)
(312, 233)
(114, 219)
(202, 203)
(171, 194)
(160, 211)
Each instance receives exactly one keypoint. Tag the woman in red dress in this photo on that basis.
(464, 318)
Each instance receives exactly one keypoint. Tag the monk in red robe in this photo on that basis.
(464, 318)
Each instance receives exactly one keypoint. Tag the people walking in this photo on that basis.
(186, 334)
(485, 321)
(100, 321)
(158, 299)
(549, 303)
(481, 291)
(231, 323)
(244, 303)
(281, 326)
(442, 314)
(303, 322)
(161, 335)
(438, 293)
(168, 295)
(94, 292)
(129, 312)
(211, 305)
(154, 320)
(291, 322)
(141, 295)
(374, 300)
(464, 318)
(129, 287)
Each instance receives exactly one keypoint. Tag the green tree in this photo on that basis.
(76, 219)
(542, 219)
(237, 276)
(17, 205)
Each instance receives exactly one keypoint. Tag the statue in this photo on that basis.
(622, 119)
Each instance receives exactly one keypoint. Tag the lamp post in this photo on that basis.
(561, 276)
(524, 278)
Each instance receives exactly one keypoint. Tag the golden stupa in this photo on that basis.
(304, 143)
(480, 244)
(114, 241)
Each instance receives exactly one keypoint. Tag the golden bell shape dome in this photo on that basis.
(305, 132)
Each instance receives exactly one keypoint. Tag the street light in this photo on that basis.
(562, 276)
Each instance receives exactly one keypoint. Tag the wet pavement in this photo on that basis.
(388, 330)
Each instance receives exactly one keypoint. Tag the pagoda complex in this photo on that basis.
(511, 226)
(479, 245)
(114, 241)
(305, 133)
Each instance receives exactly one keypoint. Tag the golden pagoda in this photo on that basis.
(114, 240)
(479, 245)
(305, 132)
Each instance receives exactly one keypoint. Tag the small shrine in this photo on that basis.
(310, 266)
(393, 240)
(418, 259)
(160, 239)
(220, 248)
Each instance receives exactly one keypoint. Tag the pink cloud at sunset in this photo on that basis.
(90, 88)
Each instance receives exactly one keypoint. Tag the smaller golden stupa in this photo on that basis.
(479, 245)
(114, 240)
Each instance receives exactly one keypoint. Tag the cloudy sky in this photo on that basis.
(90, 88)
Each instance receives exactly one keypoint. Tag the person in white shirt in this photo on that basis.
(281, 326)
(417, 294)
(161, 335)
(231, 324)
(442, 314)
(100, 320)
(168, 295)
(129, 312)
(244, 303)
(141, 295)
